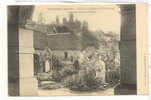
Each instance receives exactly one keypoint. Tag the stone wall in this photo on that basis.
(27, 82)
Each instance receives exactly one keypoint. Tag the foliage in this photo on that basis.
(77, 76)
(113, 76)
(61, 71)
(100, 43)
(84, 80)
(45, 54)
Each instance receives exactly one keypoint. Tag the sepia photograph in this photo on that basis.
(72, 50)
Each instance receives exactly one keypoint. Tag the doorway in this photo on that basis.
(36, 64)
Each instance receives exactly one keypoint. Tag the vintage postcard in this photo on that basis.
(77, 49)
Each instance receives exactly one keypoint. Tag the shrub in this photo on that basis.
(56, 76)
(82, 81)
(64, 72)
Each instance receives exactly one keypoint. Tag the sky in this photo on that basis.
(99, 17)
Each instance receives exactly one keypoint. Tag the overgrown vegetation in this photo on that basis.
(81, 75)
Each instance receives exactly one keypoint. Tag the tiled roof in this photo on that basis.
(60, 41)
(64, 42)
(40, 41)
(43, 28)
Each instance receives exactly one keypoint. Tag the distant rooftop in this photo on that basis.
(64, 41)
(59, 41)
(59, 34)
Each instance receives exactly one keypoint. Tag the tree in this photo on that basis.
(41, 19)
(71, 18)
(64, 20)
(77, 26)
(85, 26)
(57, 20)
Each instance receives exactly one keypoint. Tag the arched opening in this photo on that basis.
(36, 64)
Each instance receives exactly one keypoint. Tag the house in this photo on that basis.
(65, 46)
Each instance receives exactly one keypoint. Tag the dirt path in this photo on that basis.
(66, 92)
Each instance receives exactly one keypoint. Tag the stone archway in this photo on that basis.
(128, 82)
(20, 47)
(20, 52)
